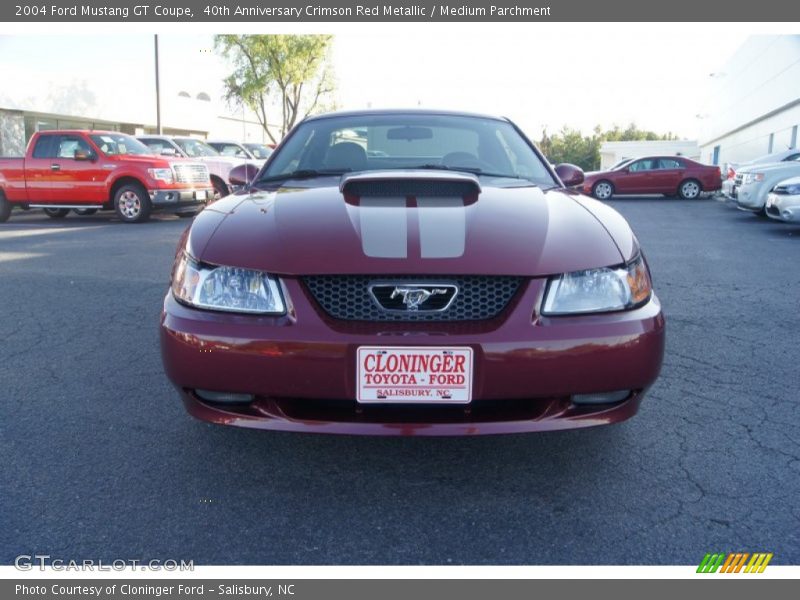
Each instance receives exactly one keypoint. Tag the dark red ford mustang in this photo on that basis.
(411, 273)
(669, 175)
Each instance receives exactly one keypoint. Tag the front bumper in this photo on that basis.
(728, 189)
(784, 207)
(301, 368)
(180, 198)
(751, 196)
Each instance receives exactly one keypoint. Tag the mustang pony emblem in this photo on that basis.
(413, 297)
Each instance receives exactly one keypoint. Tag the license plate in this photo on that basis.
(200, 195)
(419, 375)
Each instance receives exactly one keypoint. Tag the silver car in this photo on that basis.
(783, 202)
(758, 180)
(734, 179)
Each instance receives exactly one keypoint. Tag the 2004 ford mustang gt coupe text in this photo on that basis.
(411, 273)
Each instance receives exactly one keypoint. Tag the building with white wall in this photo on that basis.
(753, 102)
(613, 152)
(108, 82)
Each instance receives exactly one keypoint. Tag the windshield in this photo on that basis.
(621, 164)
(339, 144)
(194, 148)
(112, 144)
(234, 150)
(259, 150)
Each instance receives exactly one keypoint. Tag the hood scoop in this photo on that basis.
(419, 184)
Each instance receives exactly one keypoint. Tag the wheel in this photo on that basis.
(56, 213)
(220, 189)
(5, 208)
(84, 212)
(132, 203)
(689, 189)
(603, 190)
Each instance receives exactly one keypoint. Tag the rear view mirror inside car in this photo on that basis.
(409, 133)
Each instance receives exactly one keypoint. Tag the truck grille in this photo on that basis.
(191, 173)
(348, 297)
(738, 179)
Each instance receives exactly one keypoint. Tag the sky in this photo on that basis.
(539, 77)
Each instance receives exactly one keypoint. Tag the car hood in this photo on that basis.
(318, 230)
(595, 174)
(790, 181)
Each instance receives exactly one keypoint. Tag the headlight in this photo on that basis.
(599, 290)
(792, 190)
(752, 177)
(226, 288)
(164, 175)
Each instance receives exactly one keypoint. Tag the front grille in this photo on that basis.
(348, 297)
(191, 173)
(738, 179)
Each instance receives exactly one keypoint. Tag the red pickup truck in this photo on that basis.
(87, 171)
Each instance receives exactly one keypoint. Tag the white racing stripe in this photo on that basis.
(384, 227)
(442, 227)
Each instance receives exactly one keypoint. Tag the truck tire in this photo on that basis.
(84, 212)
(220, 189)
(132, 204)
(56, 213)
(5, 208)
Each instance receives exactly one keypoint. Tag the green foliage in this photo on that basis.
(571, 146)
(281, 78)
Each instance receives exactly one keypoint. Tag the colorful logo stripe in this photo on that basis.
(734, 562)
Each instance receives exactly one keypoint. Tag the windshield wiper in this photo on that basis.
(473, 170)
(302, 174)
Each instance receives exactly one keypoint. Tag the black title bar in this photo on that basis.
(265, 11)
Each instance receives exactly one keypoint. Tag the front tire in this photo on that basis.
(603, 190)
(5, 208)
(132, 204)
(689, 189)
(56, 213)
(220, 189)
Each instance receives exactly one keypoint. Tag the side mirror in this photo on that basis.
(570, 175)
(242, 174)
(83, 155)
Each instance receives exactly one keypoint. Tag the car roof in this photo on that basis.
(77, 131)
(401, 111)
(775, 157)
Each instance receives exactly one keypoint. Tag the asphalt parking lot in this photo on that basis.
(100, 460)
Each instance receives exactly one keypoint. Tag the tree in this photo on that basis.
(288, 74)
(570, 145)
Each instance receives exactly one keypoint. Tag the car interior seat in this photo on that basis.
(346, 156)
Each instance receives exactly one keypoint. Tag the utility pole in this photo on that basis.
(158, 92)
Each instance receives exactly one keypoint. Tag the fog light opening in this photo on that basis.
(224, 397)
(603, 398)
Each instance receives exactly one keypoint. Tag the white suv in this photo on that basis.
(219, 167)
